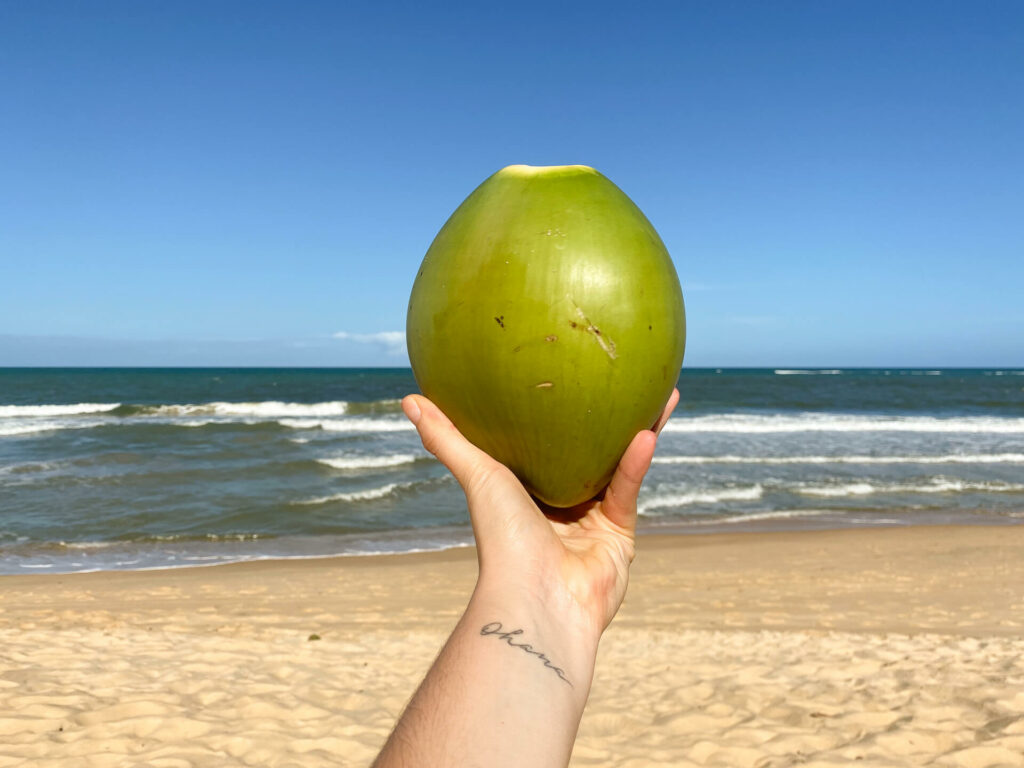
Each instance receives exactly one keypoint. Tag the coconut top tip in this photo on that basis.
(545, 170)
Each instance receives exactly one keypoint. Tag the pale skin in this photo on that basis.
(509, 686)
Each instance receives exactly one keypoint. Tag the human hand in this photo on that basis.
(521, 658)
(572, 564)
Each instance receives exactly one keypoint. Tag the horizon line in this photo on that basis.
(785, 368)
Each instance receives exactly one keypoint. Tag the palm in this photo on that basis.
(595, 561)
(580, 556)
(586, 550)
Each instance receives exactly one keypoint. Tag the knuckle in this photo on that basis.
(430, 442)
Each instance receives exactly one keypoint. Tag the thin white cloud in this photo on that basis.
(392, 341)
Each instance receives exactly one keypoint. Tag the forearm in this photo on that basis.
(508, 688)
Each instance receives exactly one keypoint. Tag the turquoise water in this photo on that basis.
(139, 468)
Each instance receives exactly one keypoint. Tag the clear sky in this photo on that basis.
(255, 183)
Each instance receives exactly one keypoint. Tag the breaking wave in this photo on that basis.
(33, 427)
(349, 425)
(842, 422)
(803, 372)
(270, 409)
(77, 409)
(659, 501)
(365, 495)
(953, 458)
(370, 462)
(936, 485)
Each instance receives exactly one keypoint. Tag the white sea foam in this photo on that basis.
(953, 458)
(349, 425)
(849, 489)
(668, 499)
(15, 411)
(369, 462)
(270, 409)
(368, 495)
(815, 372)
(937, 485)
(661, 500)
(779, 514)
(843, 422)
(29, 419)
(28, 427)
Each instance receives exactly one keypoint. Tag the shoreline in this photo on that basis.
(290, 548)
(881, 558)
(869, 647)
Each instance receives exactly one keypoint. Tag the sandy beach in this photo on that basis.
(867, 647)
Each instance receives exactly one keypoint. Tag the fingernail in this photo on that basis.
(412, 411)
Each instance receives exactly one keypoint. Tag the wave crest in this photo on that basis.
(370, 462)
(843, 422)
(368, 494)
(659, 501)
(268, 409)
(935, 485)
(953, 458)
(76, 409)
(349, 425)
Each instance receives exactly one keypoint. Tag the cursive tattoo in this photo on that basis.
(495, 629)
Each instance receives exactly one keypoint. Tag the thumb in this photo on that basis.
(619, 503)
(443, 439)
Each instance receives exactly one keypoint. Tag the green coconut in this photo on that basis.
(547, 322)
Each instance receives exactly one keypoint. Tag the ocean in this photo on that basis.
(155, 468)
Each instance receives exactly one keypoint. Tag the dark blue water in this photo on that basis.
(133, 468)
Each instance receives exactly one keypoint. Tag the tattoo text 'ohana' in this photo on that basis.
(495, 628)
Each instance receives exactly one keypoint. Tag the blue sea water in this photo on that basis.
(152, 468)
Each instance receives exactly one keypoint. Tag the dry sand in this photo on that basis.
(894, 647)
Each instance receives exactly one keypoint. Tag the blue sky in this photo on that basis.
(255, 183)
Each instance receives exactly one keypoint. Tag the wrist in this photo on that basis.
(508, 688)
(538, 630)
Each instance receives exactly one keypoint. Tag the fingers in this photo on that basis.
(466, 462)
(670, 406)
(443, 439)
(619, 504)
